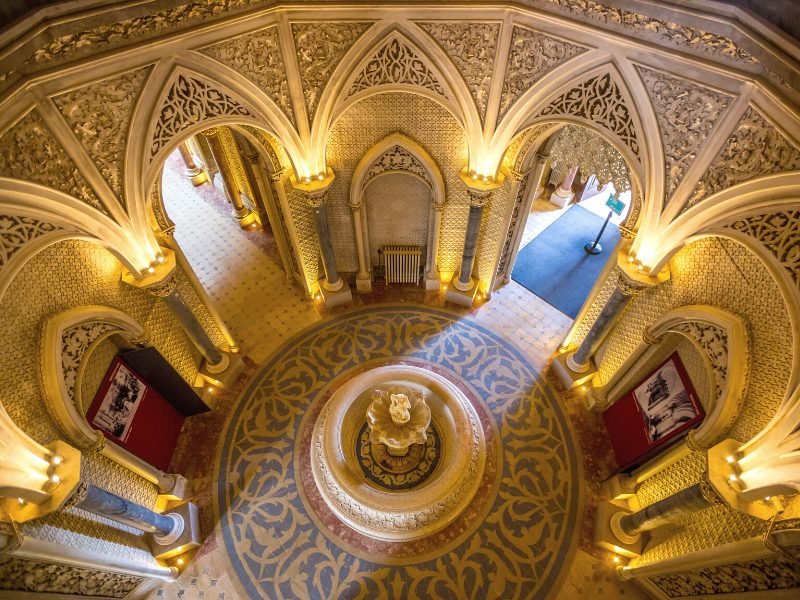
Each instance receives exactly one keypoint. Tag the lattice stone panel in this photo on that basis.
(493, 232)
(422, 120)
(307, 240)
(235, 161)
(95, 369)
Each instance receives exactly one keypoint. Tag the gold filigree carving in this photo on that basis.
(532, 56)
(28, 151)
(780, 233)
(189, 101)
(99, 115)
(320, 47)
(396, 158)
(714, 342)
(257, 56)
(471, 46)
(686, 115)
(74, 343)
(598, 100)
(16, 232)
(756, 148)
(395, 62)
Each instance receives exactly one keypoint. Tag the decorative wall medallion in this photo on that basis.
(598, 100)
(188, 102)
(471, 46)
(397, 158)
(257, 56)
(273, 520)
(395, 62)
(673, 33)
(16, 232)
(320, 47)
(532, 56)
(686, 115)
(47, 578)
(99, 115)
(780, 234)
(28, 151)
(756, 148)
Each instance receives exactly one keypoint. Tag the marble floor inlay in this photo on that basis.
(280, 548)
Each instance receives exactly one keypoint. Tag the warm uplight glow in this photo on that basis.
(55, 478)
(151, 270)
(732, 477)
(21, 501)
(180, 562)
(56, 459)
(321, 176)
(160, 259)
(768, 498)
(617, 560)
(210, 390)
(730, 459)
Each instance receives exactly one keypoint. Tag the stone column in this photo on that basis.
(432, 278)
(243, 214)
(186, 154)
(477, 200)
(685, 502)
(333, 288)
(563, 193)
(363, 278)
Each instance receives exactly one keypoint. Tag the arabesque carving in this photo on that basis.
(28, 151)
(395, 62)
(74, 343)
(714, 342)
(780, 234)
(45, 578)
(756, 148)
(598, 100)
(320, 47)
(532, 56)
(674, 33)
(99, 115)
(189, 101)
(471, 46)
(16, 232)
(257, 56)
(686, 115)
(397, 158)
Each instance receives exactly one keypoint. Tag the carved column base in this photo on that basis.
(224, 377)
(246, 217)
(570, 378)
(608, 534)
(337, 297)
(165, 547)
(433, 281)
(561, 197)
(200, 178)
(363, 282)
(458, 296)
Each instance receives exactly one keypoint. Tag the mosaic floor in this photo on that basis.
(246, 283)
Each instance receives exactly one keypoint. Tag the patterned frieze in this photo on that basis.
(531, 57)
(396, 63)
(320, 47)
(779, 232)
(257, 56)
(397, 158)
(99, 115)
(188, 101)
(756, 148)
(686, 114)
(598, 99)
(16, 232)
(29, 151)
(472, 47)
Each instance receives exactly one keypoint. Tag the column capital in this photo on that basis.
(156, 276)
(631, 279)
(356, 207)
(277, 175)
(210, 132)
(515, 176)
(315, 184)
(439, 207)
(480, 185)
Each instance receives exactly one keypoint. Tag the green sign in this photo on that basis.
(615, 204)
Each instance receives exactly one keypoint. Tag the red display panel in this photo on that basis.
(133, 415)
(658, 410)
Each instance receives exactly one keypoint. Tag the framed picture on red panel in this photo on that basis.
(122, 397)
(661, 408)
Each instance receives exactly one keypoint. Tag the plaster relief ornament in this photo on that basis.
(398, 418)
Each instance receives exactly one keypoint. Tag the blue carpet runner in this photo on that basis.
(555, 267)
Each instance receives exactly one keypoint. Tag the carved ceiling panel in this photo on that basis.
(16, 232)
(755, 148)
(99, 115)
(395, 62)
(780, 234)
(471, 46)
(320, 47)
(532, 56)
(397, 158)
(189, 101)
(29, 151)
(600, 100)
(686, 115)
(257, 56)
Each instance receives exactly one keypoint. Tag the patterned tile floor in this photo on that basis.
(245, 281)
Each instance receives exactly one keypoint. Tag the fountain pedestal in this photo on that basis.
(398, 417)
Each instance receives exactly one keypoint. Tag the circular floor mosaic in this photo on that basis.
(512, 542)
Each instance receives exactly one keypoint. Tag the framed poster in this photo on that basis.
(656, 412)
(119, 404)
